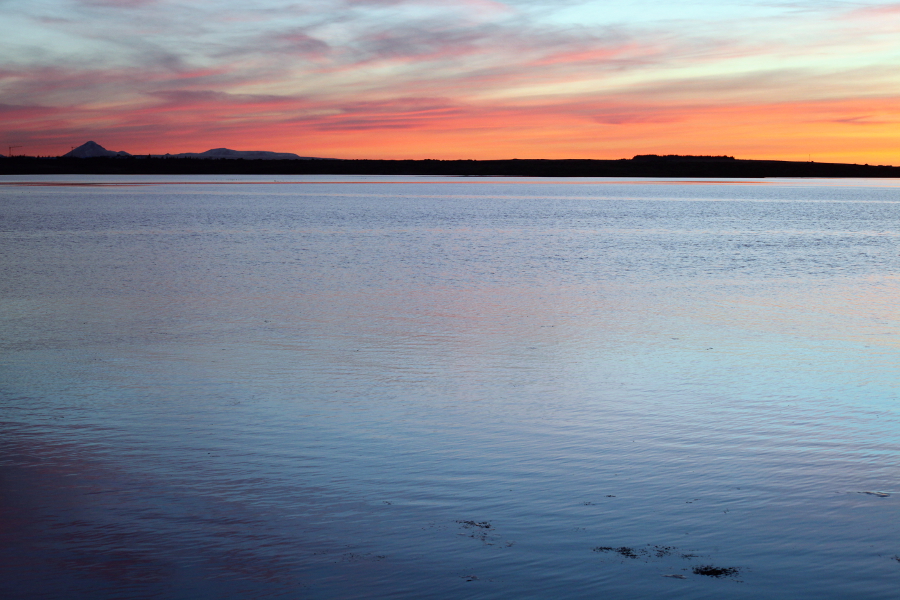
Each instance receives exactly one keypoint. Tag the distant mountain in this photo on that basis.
(95, 150)
(218, 153)
(92, 150)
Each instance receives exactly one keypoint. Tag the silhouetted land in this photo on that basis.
(639, 166)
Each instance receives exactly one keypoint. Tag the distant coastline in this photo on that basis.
(639, 166)
(92, 149)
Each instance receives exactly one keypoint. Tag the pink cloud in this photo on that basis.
(414, 76)
(609, 54)
(879, 11)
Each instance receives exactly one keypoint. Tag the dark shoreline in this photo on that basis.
(665, 166)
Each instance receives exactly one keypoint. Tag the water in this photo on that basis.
(442, 388)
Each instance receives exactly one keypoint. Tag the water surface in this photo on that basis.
(448, 387)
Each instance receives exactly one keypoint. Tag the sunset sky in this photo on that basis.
(477, 79)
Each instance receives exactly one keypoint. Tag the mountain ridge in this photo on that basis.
(227, 153)
(92, 149)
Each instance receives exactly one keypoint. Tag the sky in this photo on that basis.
(469, 79)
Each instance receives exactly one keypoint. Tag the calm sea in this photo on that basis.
(374, 387)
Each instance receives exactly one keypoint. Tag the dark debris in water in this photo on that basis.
(595, 504)
(471, 524)
(625, 551)
(711, 571)
(659, 552)
(485, 532)
(649, 551)
(355, 557)
(879, 494)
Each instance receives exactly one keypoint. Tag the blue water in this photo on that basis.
(444, 388)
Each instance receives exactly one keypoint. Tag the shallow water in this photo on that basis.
(443, 388)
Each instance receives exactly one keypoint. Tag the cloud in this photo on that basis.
(864, 120)
(522, 71)
(875, 11)
(222, 105)
(13, 112)
(118, 3)
(631, 117)
(399, 113)
(297, 41)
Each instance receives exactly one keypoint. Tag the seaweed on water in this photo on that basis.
(628, 552)
(653, 552)
(481, 530)
(625, 551)
(478, 524)
(711, 571)
(661, 551)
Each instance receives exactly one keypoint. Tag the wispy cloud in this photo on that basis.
(875, 11)
(118, 3)
(410, 77)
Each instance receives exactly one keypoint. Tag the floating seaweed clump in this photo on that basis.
(711, 571)
(479, 524)
(661, 551)
(623, 550)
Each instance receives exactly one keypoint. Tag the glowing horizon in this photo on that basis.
(478, 79)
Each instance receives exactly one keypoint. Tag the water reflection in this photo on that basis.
(443, 388)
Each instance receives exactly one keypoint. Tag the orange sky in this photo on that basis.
(475, 79)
